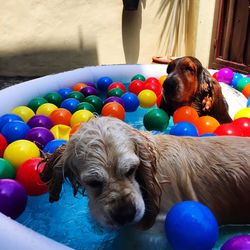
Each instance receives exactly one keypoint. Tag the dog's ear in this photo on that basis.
(171, 66)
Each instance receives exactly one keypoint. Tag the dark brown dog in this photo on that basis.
(188, 83)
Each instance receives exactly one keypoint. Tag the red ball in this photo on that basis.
(153, 84)
(117, 85)
(228, 129)
(3, 144)
(113, 109)
(28, 175)
(136, 86)
(215, 75)
(243, 125)
(158, 101)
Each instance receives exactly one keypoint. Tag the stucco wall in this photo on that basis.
(40, 37)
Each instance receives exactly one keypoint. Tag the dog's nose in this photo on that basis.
(123, 214)
(170, 85)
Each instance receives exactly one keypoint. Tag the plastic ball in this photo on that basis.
(103, 83)
(238, 242)
(76, 95)
(136, 86)
(113, 109)
(69, 104)
(236, 78)
(184, 129)
(156, 119)
(15, 130)
(208, 134)
(206, 124)
(158, 101)
(153, 84)
(246, 90)
(79, 86)
(162, 79)
(88, 90)
(46, 109)
(191, 225)
(35, 103)
(185, 114)
(51, 146)
(40, 121)
(19, 151)
(81, 116)
(54, 97)
(74, 129)
(7, 171)
(245, 112)
(248, 102)
(242, 83)
(24, 112)
(225, 75)
(131, 102)
(215, 75)
(147, 98)
(138, 77)
(3, 144)
(228, 129)
(96, 101)
(64, 92)
(117, 85)
(114, 99)
(243, 125)
(115, 92)
(85, 106)
(61, 131)
(9, 118)
(60, 116)
(13, 198)
(28, 175)
(40, 136)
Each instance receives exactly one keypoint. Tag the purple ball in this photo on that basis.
(225, 75)
(40, 136)
(114, 99)
(91, 84)
(13, 198)
(89, 91)
(239, 242)
(40, 121)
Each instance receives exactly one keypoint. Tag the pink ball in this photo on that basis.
(225, 75)
(239, 242)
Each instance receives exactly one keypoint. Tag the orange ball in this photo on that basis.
(246, 91)
(206, 124)
(79, 86)
(113, 109)
(74, 129)
(185, 114)
(60, 116)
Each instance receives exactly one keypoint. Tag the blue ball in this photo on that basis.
(248, 102)
(208, 134)
(70, 104)
(103, 83)
(9, 118)
(64, 92)
(51, 146)
(190, 225)
(236, 78)
(131, 102)
(184, 129)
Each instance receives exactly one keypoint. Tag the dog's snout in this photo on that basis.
(170, 85)
(124, 214)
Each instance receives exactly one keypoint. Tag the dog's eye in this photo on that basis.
(188, 68)
(95, 183)
(130, 172)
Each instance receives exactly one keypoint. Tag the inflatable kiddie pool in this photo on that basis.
(67, 223)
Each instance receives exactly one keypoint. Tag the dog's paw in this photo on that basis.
(207, 104)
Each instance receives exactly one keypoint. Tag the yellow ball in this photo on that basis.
(61, 131)
(81, 116)
(20, 151)
(147, 98)
(46, 109)
(162, 79)
(245, 112)
(24, 112)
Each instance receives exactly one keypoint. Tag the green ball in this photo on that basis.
(35, 103)
(7, 171)
(77, 95)
(156, 119)
(242, 83)
(138, 77)
(96, 101)
(54, 97)
(85, 106)
(115, 92)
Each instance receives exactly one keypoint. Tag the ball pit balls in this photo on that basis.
(74, 129)
(156, 119)
(40, 121)
(76, 95)
(162, 79)
(113, 109)
(70, 104)
(136, 86)
(61, 131)
(3, 144)
(225, 75)
(35, 103)
(243, 125)
(117, 85)
(46, 109)
(131, 102)
(184, 129)
(96, 101)
(7, 171)
(185, 114)
(64, 92)
(24, 112)
(88, 90)
(13, 198)
(85, 106)
(236, 78)
(51, 146)
(138, 77)
(28, 175)
(242, 83)
(158, 100)
(15, 130)
(9, 118)
(79, 86)
(248, 102)
(228, 129)
(245, 112)
(215, 75)
(206, 124)
(115, 92)
(114, 99)
(19, 151)
(238, 242)
(153, 84)
(81, 116)
(54, 98)
(191, 225)
(60, 116)
(147, 98)
(103, 83)
(246, 90)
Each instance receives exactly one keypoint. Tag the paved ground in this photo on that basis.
(6, 81)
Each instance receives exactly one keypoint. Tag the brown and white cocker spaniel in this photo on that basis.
(188, 83)
(134, 177)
